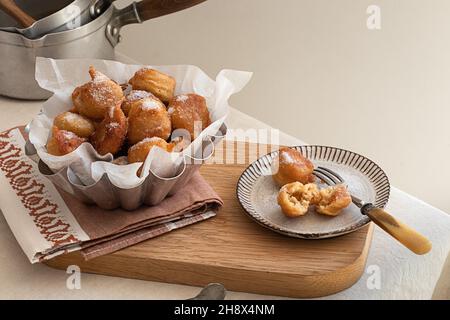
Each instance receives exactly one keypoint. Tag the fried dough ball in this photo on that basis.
(63, 142)
(110, 134)
(148, 118)
(189, 112)
(121, 161)
(158, 83)
(53, 147)
(73, 122)
(178, 144)
(73, 110)
(292, 166)
(132, 97)
(333, 200)
(139, 152)
(94, 98)
(294, 198)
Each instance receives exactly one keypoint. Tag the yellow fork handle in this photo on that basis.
(407, 236)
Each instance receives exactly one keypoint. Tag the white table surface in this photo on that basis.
(402, 274)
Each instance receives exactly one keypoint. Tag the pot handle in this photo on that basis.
(138, 12)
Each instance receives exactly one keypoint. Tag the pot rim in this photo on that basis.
(51, 22)
(58, 38)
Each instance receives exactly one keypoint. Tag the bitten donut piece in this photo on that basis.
(76, 123)
(295, 198)
(148, 118)
(95, 97)
(189, 112)
(291, 166)
(333, 200)
(110, 134)
(139, 152)
(132, 97)
(63, 142)
(158, 83)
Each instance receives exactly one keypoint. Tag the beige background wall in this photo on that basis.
(321, 75)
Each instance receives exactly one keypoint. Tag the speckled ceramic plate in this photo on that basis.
(257, 193)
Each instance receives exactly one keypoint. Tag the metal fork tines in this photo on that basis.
(332, 178)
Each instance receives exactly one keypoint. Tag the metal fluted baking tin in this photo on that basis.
(150, 192)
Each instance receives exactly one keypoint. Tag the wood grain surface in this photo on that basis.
(235, 251)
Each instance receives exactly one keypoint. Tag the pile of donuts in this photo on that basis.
(128, 120)
(299, 190)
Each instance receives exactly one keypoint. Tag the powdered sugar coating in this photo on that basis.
(68, 134)
(72, 117)
(150, 104)
(138, 95)
(145, 141)
(99, 77)
(182, 98)
(112, 125)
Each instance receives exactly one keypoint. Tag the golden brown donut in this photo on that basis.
(158, 83)
(95, 97)
(178, 144)
(291, 166)
(110, 134)
(333, 200)
(148, 118)
(63, 142)
(294, 198)
(139, 152)
(189, 112)
(121, 161)
(76, 123)
(132, 97)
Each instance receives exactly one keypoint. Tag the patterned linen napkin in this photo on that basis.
(47, 221)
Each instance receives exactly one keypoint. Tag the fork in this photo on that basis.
(407, 236)
(213, 291)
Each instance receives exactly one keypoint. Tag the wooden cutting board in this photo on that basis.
(233, 250)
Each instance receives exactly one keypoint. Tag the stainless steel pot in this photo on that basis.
(96, 39)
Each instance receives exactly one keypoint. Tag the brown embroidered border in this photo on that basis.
(31, 193)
